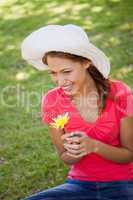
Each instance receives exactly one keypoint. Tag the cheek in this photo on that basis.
(75, 77)
(79, 77)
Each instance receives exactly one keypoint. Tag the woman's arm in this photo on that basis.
(83, 145)
(115, 154)
(125, 153)
(58, 143)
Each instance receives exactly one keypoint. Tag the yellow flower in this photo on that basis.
(60, 121)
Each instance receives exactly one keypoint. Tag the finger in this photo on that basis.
(72, 146)
(64, 136)
(72, 155)
(76, 155)
(68, 142)
(67, 135)
(76, 133)
(75, 139)
(73, 151)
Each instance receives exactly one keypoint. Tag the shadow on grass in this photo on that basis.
(107, 23)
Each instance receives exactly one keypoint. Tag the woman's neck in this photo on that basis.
(89, 89)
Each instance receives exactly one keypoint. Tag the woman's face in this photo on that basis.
(72, 76)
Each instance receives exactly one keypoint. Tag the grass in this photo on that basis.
(28, 160)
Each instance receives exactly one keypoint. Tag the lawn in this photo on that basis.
(28, 160)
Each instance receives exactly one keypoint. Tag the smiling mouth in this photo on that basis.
(67, 88)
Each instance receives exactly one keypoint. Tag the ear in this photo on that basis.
(87, 64)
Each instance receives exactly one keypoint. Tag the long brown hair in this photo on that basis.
(102, 84)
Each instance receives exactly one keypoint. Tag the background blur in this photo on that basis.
(28, 161)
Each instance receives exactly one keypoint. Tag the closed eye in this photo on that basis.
(52, 73)
(66, 72)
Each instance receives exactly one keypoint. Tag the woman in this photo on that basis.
(90, 117)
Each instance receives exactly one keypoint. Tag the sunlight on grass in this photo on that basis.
(108, 13)
(97, 37)
(2, 2)
(15, 13)
(126, 26)
(59, 9)
(22, 76)
(115, 0)
(126, 73)
(123, 72)
(88, 24)
(113, 41)
(97, 9)
(10, 47)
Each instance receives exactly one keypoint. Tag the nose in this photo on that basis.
(60, 80)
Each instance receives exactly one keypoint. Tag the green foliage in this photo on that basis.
(28, 160)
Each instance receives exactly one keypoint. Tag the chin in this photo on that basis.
(68, 93)
(71, 93)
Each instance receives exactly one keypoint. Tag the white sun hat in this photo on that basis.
(62, 38)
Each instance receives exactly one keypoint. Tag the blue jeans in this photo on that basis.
(84, 190)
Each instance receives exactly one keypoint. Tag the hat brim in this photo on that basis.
(91, 52)
(69, 39)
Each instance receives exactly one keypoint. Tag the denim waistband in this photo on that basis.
(81, 182)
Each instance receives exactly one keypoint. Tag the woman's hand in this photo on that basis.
(78, 144)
